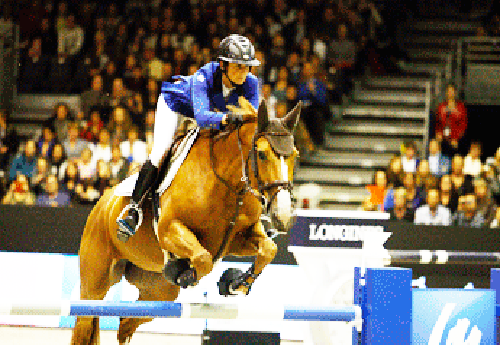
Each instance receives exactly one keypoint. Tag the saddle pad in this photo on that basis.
(126, 187)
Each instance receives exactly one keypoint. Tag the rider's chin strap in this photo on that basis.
(224, 71)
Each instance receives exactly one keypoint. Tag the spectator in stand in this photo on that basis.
(58, 161)
(493, 176)
(134, 149)
(439, 164)
(467, 214)
(378, 191)
(119, 124)
(119, 42)
(149, 121)
(49, 37)
(71, 179)
(118, 166)
(86, 193)
(312, 92)
(485, 204)
(60, 121)
(472, 162)
(46, 142)
(70, 39)
(102, 149)
(433, 213)
(73, 145)
(400, 211)
(135, 107)
(449, 196)
(413, 194)
(424, 179)
(91, 130)
(110, 74)
(267, 95)
(460, 182)
(451, 122)
(152, 93)
(409, 160)
(19, 192)
(341, 59)
(495, 224)
(95, 98)
(119, 93)
(53, 196)
(40, 174)
(35, 69)
(103, 177)
(86, 165)
(395, 173)
(9, 141)
(136, 82)
(25, 163)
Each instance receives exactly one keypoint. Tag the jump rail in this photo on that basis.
(184, 310)
(443, 257)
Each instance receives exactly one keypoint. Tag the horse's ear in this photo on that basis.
(292, 118)
(263, 117)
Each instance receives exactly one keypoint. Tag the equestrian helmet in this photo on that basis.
(238, 49)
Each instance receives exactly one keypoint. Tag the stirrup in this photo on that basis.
(125, 231)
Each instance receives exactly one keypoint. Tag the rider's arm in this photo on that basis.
(201, 104)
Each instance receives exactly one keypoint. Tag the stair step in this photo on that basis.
(428, 68)
(364, 127)
(432, 41)
(429, 54)
(360, 142)
(446, 26)
(334, 176)
(415, 97)
(326, 205)
(344, 194)
(350, 158)
(382, 111)
(405, 82)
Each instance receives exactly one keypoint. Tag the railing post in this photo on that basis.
(388, 314)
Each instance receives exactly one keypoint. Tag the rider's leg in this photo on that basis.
(164, 130)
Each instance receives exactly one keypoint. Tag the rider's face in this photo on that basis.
(237, 73)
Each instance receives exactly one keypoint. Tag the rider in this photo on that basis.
(212, 96)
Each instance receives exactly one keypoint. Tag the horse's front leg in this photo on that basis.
(253, 242)
(192, 261)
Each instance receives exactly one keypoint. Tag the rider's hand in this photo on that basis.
(237, 114)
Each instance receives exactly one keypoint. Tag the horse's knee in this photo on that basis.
(269, 249)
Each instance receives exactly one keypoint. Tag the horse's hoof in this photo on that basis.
(179, 272)
(226, 279)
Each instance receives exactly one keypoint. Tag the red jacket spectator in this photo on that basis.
(451, 122)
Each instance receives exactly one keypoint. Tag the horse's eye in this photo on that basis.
(262, 155)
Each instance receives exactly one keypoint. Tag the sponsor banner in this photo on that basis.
(334, 228)
(453, 316)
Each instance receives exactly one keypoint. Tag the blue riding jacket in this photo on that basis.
(199, 96)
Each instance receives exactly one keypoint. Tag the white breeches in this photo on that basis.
(166, 121)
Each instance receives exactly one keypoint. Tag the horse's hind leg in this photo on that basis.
(98, 272)
(152, 287)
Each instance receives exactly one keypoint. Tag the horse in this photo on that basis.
(212, 209)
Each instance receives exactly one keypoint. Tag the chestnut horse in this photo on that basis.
(211, 209)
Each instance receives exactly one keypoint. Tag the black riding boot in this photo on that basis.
(127, 224)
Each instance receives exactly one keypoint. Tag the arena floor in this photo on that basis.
(57, 336)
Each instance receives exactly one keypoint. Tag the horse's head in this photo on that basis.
(273, 159)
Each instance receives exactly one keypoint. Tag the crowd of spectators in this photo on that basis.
(438, 190)
(116, 54)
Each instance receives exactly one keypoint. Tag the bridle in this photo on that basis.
(262, 188)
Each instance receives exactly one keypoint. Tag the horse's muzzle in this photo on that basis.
(282, 211)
